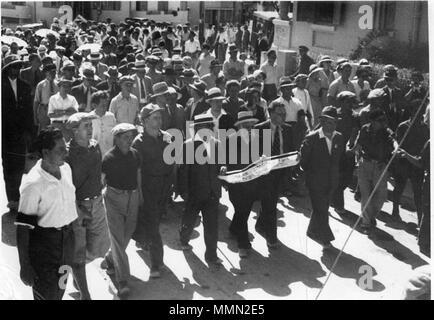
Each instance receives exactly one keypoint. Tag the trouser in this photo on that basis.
(242, 196)
(90, 231)
(14, 159)
(51, 253)
(270, 92)
(403, 172)
(346, 169)
(368, 176)
(122, 207)
(267, 220)
(209, 210)
(424, 238)
(42, 117)
(319, 228)
(155, 195)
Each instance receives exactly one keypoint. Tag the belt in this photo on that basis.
(90, 198)
(122, 191)
(59, 121)
(63, 228)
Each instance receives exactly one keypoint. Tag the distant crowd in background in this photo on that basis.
(85, 114)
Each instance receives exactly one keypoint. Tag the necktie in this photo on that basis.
(275, 149)
(142, 90)
(89, 97)
(51, 88)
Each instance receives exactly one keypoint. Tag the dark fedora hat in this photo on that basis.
(199, 86)
(329, 112)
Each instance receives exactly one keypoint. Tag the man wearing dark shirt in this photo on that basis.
(305, 61)
(233, 103)
(375, 144)
(90, 229)
(403, 169)
(121, 173)
(157, 177)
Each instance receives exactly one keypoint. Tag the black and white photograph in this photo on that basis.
(215, 150)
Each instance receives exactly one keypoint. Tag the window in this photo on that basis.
(108, 5)
(163, 6)
(305, 11)
(54, 4)
(19, 3)
(321, 12)
(389, 17)
(324, 12)
(142, 6)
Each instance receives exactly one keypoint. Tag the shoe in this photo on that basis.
(185, 247)
(273, 245)
(107, 266)
(155, 273)
(243, 253)
(123, 290)
(13, 205)
(326, 246)
(340, 210)
(365, 230)
(216, 262)
(395, 215)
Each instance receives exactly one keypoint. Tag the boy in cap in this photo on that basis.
(122, 196)
(90, 229)
(156, 181)
(125, 106)
(320, 154)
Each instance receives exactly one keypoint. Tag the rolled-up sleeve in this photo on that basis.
(28, 207)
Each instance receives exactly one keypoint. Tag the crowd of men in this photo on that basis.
(86, 113)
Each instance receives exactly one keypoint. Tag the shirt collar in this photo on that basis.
(322, 135)
(13, 81)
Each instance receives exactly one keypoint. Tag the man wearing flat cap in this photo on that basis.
(157, 178)
(83, 92)
(122, 196)
(320, 155)
(17, 126)
(376, 99)
(304, 61)
(90, 229)
(125, 106)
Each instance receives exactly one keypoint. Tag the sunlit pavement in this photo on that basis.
(297, 270)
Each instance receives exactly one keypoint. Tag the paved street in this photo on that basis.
(295, 271)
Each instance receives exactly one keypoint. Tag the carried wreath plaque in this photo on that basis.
(261, 167)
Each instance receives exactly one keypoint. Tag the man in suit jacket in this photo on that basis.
(200, 188)
(100, 68)
(197, 104)
(17, 126)
(276, 138)
(33, 74)
(142, 87)
(320, 156)
(111, 84)
(394, 101)
(83, 92)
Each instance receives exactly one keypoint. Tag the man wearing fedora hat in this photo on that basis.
(292, 104)
(211, 77)
(159, 97)
(32, 74)
(83, 92)
(156, 180)
(200, 187)
(326, 64)
(100, 68)
(197, 104)
(68, 72)
(394, 102)
(242, 195)
(125, 106)
(152, 72)
(17, 126)
(222, 120)
(320, 154)
(233, 68)
(111, 84)
(142, 87)
(44, 90)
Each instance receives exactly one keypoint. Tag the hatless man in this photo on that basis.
(33, 74)
(90, 229)
(269, 68)
(233, 68)
(233, 102)
(210, 78)
(304, 61)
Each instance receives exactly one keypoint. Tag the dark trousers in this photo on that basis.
(424, 237)
(51, 253)
(319, 229)
(155, 193)
(401, 173)
(209, 210)
(270, 92)
(14, 159)
(242, 196)
(346, 169)
(267, 220)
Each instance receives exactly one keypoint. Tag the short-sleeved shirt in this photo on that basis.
(376, 145)
(205, 62)
(292, 108)
(125, 109)
(192, 46)
(270, 73)
(43, 91)
(338, 86)
(101, 130)
(56, 102)
(121, 169)
(231, 65)
(50, 200)
(86, 169)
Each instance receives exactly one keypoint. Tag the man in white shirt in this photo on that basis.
(302, 94)
(271, 77)
(61, 106)
(125, 106)
(104, 123)
(192, 48)
(292, 105)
